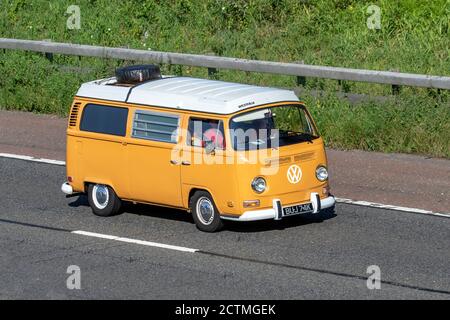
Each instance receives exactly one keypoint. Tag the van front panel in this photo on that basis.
(276, 170)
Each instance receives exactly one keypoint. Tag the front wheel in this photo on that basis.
(205, 213)
(103, 200)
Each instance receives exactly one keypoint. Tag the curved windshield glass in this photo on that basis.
(271, 128)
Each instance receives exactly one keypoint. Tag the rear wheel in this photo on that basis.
(103, 200)
(205, 213)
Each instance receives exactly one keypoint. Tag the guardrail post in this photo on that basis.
(48, 55)
(179, 70)
(212, 73)
(344, 86)
(395, 89)
(301, 81)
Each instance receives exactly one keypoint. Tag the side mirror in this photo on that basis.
(210, 147)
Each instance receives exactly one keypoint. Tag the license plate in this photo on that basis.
(297, 209)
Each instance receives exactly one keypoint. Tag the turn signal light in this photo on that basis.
(251, 203)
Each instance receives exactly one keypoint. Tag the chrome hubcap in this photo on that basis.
(100, 196)
(205, 210)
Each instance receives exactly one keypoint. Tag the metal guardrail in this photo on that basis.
(213, 62)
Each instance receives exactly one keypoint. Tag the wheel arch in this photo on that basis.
(193, 190)
(89, 181)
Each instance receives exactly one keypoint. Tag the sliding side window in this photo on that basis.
(156, 126)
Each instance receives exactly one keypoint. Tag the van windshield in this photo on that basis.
(271, 128)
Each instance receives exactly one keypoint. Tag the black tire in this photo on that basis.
(102, 208)
(138, 73)
(213, 224)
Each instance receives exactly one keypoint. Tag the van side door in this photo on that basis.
(154, 176)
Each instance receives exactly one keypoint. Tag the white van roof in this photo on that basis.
(187, 93)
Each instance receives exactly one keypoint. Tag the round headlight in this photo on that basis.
(259, 184)
(321, 173)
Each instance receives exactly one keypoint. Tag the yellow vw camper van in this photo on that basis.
(216, 149)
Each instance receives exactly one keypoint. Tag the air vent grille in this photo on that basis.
(277, 161)
(305, 156)
(74, 114)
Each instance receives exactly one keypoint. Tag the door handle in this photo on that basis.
(185, 163)
(174, 162)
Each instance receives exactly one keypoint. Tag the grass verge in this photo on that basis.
(414, 37)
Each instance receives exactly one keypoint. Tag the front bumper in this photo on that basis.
(275, 212)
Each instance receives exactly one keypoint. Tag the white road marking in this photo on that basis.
(135, 241)
(391, 207)
(28, 158)
(340, 200)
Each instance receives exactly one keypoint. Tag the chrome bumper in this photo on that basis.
(275, 212)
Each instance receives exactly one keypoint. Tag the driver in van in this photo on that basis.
(209, 132)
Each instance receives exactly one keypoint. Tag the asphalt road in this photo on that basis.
(309, 257)
(394, 179)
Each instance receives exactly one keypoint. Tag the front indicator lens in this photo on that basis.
(259, 184)
(321, 173)
(251, 203)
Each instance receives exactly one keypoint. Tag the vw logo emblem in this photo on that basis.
(294, 174)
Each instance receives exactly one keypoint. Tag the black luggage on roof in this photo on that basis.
(138, 73)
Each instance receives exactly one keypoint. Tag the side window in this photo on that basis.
(155, 126)
(202, 131)
(104, 119)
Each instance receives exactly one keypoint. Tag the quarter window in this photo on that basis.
(155, 126)
(104, 119)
